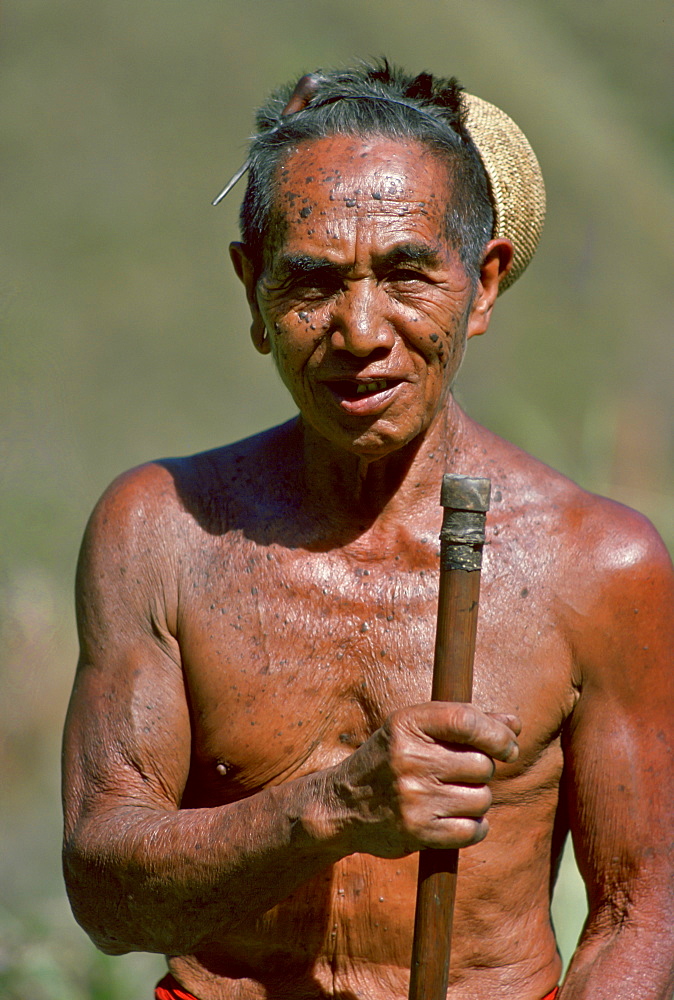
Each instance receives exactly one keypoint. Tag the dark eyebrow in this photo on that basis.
(289, 266)
(421, 254)
(298, 265)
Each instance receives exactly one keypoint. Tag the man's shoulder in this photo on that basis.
(169, 494)
(592, 534)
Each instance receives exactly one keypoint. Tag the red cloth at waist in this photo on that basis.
(170, 989)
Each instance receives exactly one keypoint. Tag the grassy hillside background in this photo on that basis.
(124, 336)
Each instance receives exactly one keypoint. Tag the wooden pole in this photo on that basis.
(466, 502)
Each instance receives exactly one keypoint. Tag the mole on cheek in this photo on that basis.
(306, 211)
(434, 337)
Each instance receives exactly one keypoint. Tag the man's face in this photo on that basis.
(364, 303)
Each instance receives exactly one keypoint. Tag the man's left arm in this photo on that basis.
(619, 768)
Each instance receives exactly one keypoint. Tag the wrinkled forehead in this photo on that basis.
(374, 174)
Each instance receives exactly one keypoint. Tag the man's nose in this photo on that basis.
(359, 320)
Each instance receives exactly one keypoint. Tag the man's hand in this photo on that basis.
(422, 779)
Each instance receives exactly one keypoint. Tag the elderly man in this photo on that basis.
(251, 757)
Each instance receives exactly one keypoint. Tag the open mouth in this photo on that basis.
(354, 389)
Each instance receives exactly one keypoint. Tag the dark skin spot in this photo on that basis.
(434, 337)
(306, 211)
(376, 195)
(350, 202)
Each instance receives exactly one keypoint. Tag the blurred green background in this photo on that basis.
(124, 335)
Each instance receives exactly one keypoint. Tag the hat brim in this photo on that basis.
(515, 180)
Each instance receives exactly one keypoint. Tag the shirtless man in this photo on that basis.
(251, 761)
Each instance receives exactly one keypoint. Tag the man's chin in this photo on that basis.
(372, 444)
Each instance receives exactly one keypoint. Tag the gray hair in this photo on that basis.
(381, 100)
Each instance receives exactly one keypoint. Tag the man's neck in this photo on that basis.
(357, 494)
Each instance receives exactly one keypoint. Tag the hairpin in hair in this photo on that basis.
(231, 182)
(300, 97)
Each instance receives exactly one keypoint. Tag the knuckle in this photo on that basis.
(476, 832)
(483, 798)
(463, 832)
(397, 723)
(466, 721)
(408, 791)
(485, 767)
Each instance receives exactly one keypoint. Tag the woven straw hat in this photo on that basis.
(515, 179)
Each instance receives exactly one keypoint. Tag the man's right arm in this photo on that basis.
(144, 874)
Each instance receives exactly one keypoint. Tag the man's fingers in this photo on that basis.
(422, 779)
(513, 722)
(456, 832)
(458, 723)
(451, 815)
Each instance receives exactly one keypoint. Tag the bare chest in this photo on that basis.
(292, 660)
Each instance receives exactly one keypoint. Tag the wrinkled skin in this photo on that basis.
(251, 761)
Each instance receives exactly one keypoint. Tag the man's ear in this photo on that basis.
(243, 265)
(496, 263)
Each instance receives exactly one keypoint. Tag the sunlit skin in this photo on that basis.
(251, 761)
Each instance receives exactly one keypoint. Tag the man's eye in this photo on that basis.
(323, 286)
(404, 274)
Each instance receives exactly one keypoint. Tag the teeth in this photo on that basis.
(377, 386)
